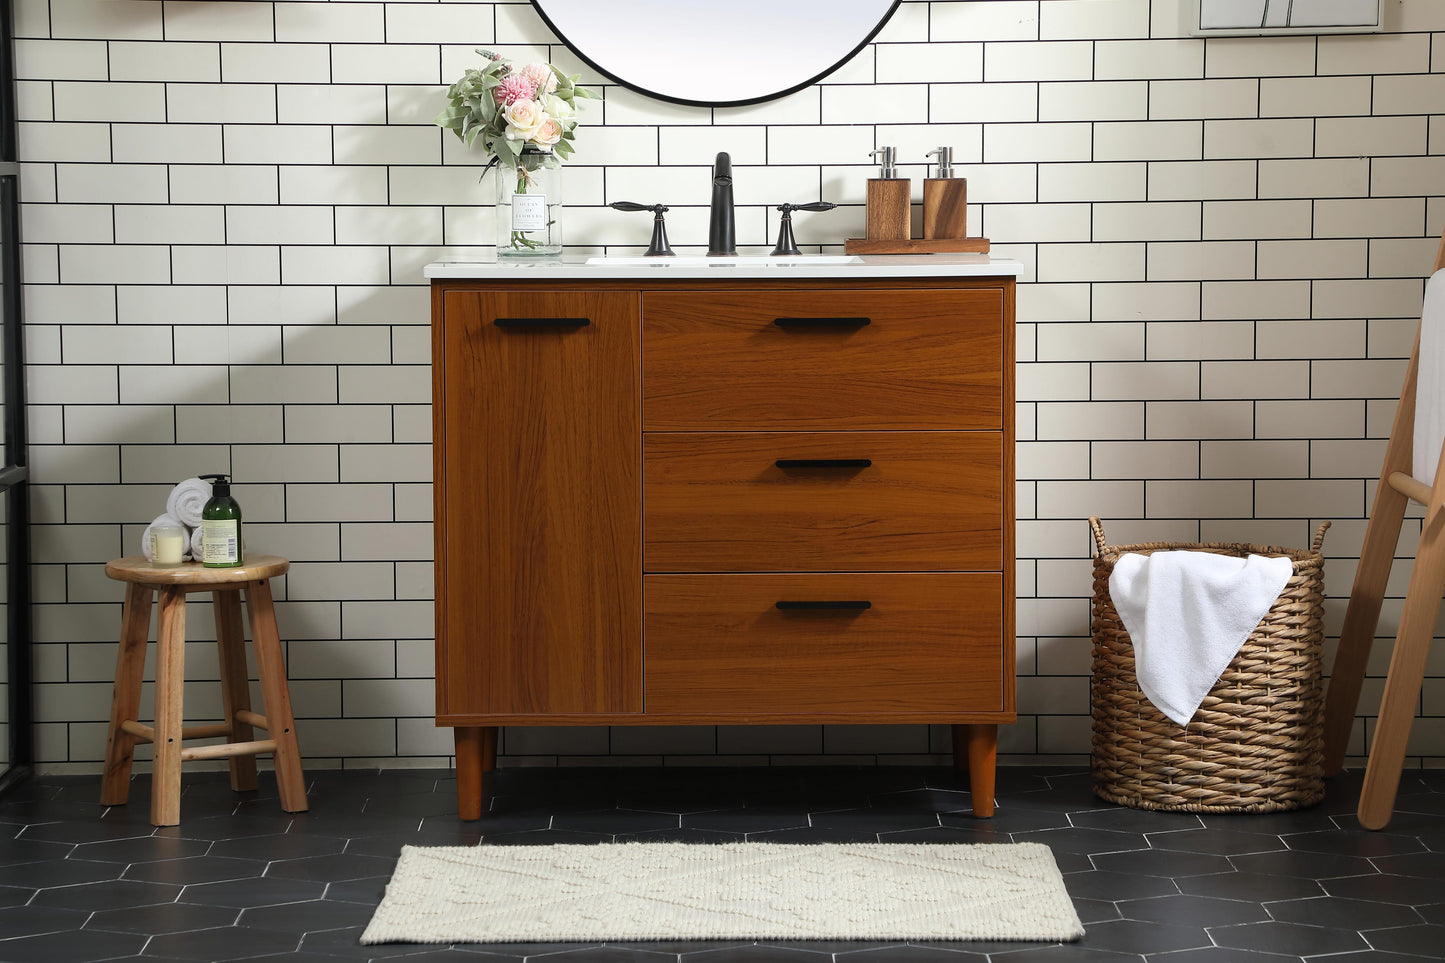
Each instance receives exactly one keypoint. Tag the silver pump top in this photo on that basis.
(887, 161)
(945, 160)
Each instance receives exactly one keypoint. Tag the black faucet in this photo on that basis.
(722, 228)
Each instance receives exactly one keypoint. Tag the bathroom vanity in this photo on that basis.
(757, 492)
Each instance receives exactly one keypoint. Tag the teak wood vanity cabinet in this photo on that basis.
(674, 502)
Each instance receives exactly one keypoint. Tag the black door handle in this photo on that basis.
(542, 322)
(846, 604)
(824, 462)
(822, 322)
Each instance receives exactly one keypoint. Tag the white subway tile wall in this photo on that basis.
(228, 206)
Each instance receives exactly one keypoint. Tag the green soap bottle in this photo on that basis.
(221, 526)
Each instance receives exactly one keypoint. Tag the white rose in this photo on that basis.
(548, 134)
(523, 118)
(559, 108)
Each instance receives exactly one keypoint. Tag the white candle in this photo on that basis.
(168, 544)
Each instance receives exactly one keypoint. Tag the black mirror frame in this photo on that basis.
(882, 22)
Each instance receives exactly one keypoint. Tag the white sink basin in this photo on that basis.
(740, 260)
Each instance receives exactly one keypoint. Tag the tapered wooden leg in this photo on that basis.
(982, 757)
(960, 747)
(271, 668)
(135, 627)
(476, 749)
(1407, 672)
(170, 687)
(235, 683)
(1362, 615)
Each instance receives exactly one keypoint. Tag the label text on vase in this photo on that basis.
(529, 212)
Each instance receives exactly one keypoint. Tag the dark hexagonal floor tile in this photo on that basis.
(747, 820)
(1387, 888)
(197, 869)
(872, 820)
(1426, 865)
(15, 895)
(58, 872)
(543, 837)
(701, 836)
(73, 945)
(1090, 841)
(222, 943)
(1142, 936)
(950, 834)
(1355, 914)
(1221, 842)
(1094, 910)
(1419, 940)
(1126, 820)
(1305, 865)
(1219, 954)
(368, 891)
(84, 831)
(34, 920)
(265, 891)
(490, 824)
(1287, 938)
(143, 849)
(924, 800)
(613, 821)
(277, 846)
(308, 916)
(1353, 843)
(1289, 821)
(1198, 910)
(110, 894)
(608, 954)
(1105, 885)
(911, 954)
(1066, 953)
(1250, 886)
(329, 869)
(163, 918)
(14, 851)
(1158, 862)
(1011, 820)
(1421, 802)
(756, 954)
(1434, 913)
(237, 825)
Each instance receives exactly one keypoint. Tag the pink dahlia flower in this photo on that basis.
(515, 87)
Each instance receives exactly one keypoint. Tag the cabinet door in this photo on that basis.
(539, 529)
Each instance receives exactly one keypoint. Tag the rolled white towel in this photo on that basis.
(145, 537)
(196, 543)
(186, 501)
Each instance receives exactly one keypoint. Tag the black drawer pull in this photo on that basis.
(542, 322)
(854, 604)
(824, 462)
(822, 322)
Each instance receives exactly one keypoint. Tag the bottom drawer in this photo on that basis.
(719, 644)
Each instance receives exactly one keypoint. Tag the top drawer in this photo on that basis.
(722, 360)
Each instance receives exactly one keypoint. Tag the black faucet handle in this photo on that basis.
(634, 206)
(787, 244)
(658, 246)
(813, 206)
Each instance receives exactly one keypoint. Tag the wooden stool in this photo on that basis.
(225, 586)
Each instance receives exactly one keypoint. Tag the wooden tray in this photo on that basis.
(934, 245)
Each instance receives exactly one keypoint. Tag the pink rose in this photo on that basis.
(515, 87)
(524, 118)
(548, 134)
(542, 76)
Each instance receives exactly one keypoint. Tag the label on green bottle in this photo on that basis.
(220, 541)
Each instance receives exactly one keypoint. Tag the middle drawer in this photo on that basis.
(778, 501)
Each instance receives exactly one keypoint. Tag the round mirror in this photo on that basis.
(715, 55)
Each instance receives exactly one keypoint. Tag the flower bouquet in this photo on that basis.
(525, 118)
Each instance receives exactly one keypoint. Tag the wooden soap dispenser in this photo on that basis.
(945, 200)
(889, 205)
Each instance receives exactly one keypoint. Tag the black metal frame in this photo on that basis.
(14, 474)
(541, 12)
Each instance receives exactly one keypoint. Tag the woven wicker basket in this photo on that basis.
(1255, 744)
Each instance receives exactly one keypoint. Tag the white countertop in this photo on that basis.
(576, 266)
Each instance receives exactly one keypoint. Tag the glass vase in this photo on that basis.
(529, 207)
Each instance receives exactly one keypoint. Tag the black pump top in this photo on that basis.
(220, 486)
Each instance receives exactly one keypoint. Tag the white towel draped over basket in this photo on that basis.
(1187, 614)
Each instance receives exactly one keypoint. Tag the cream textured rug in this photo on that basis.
(687, 891)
